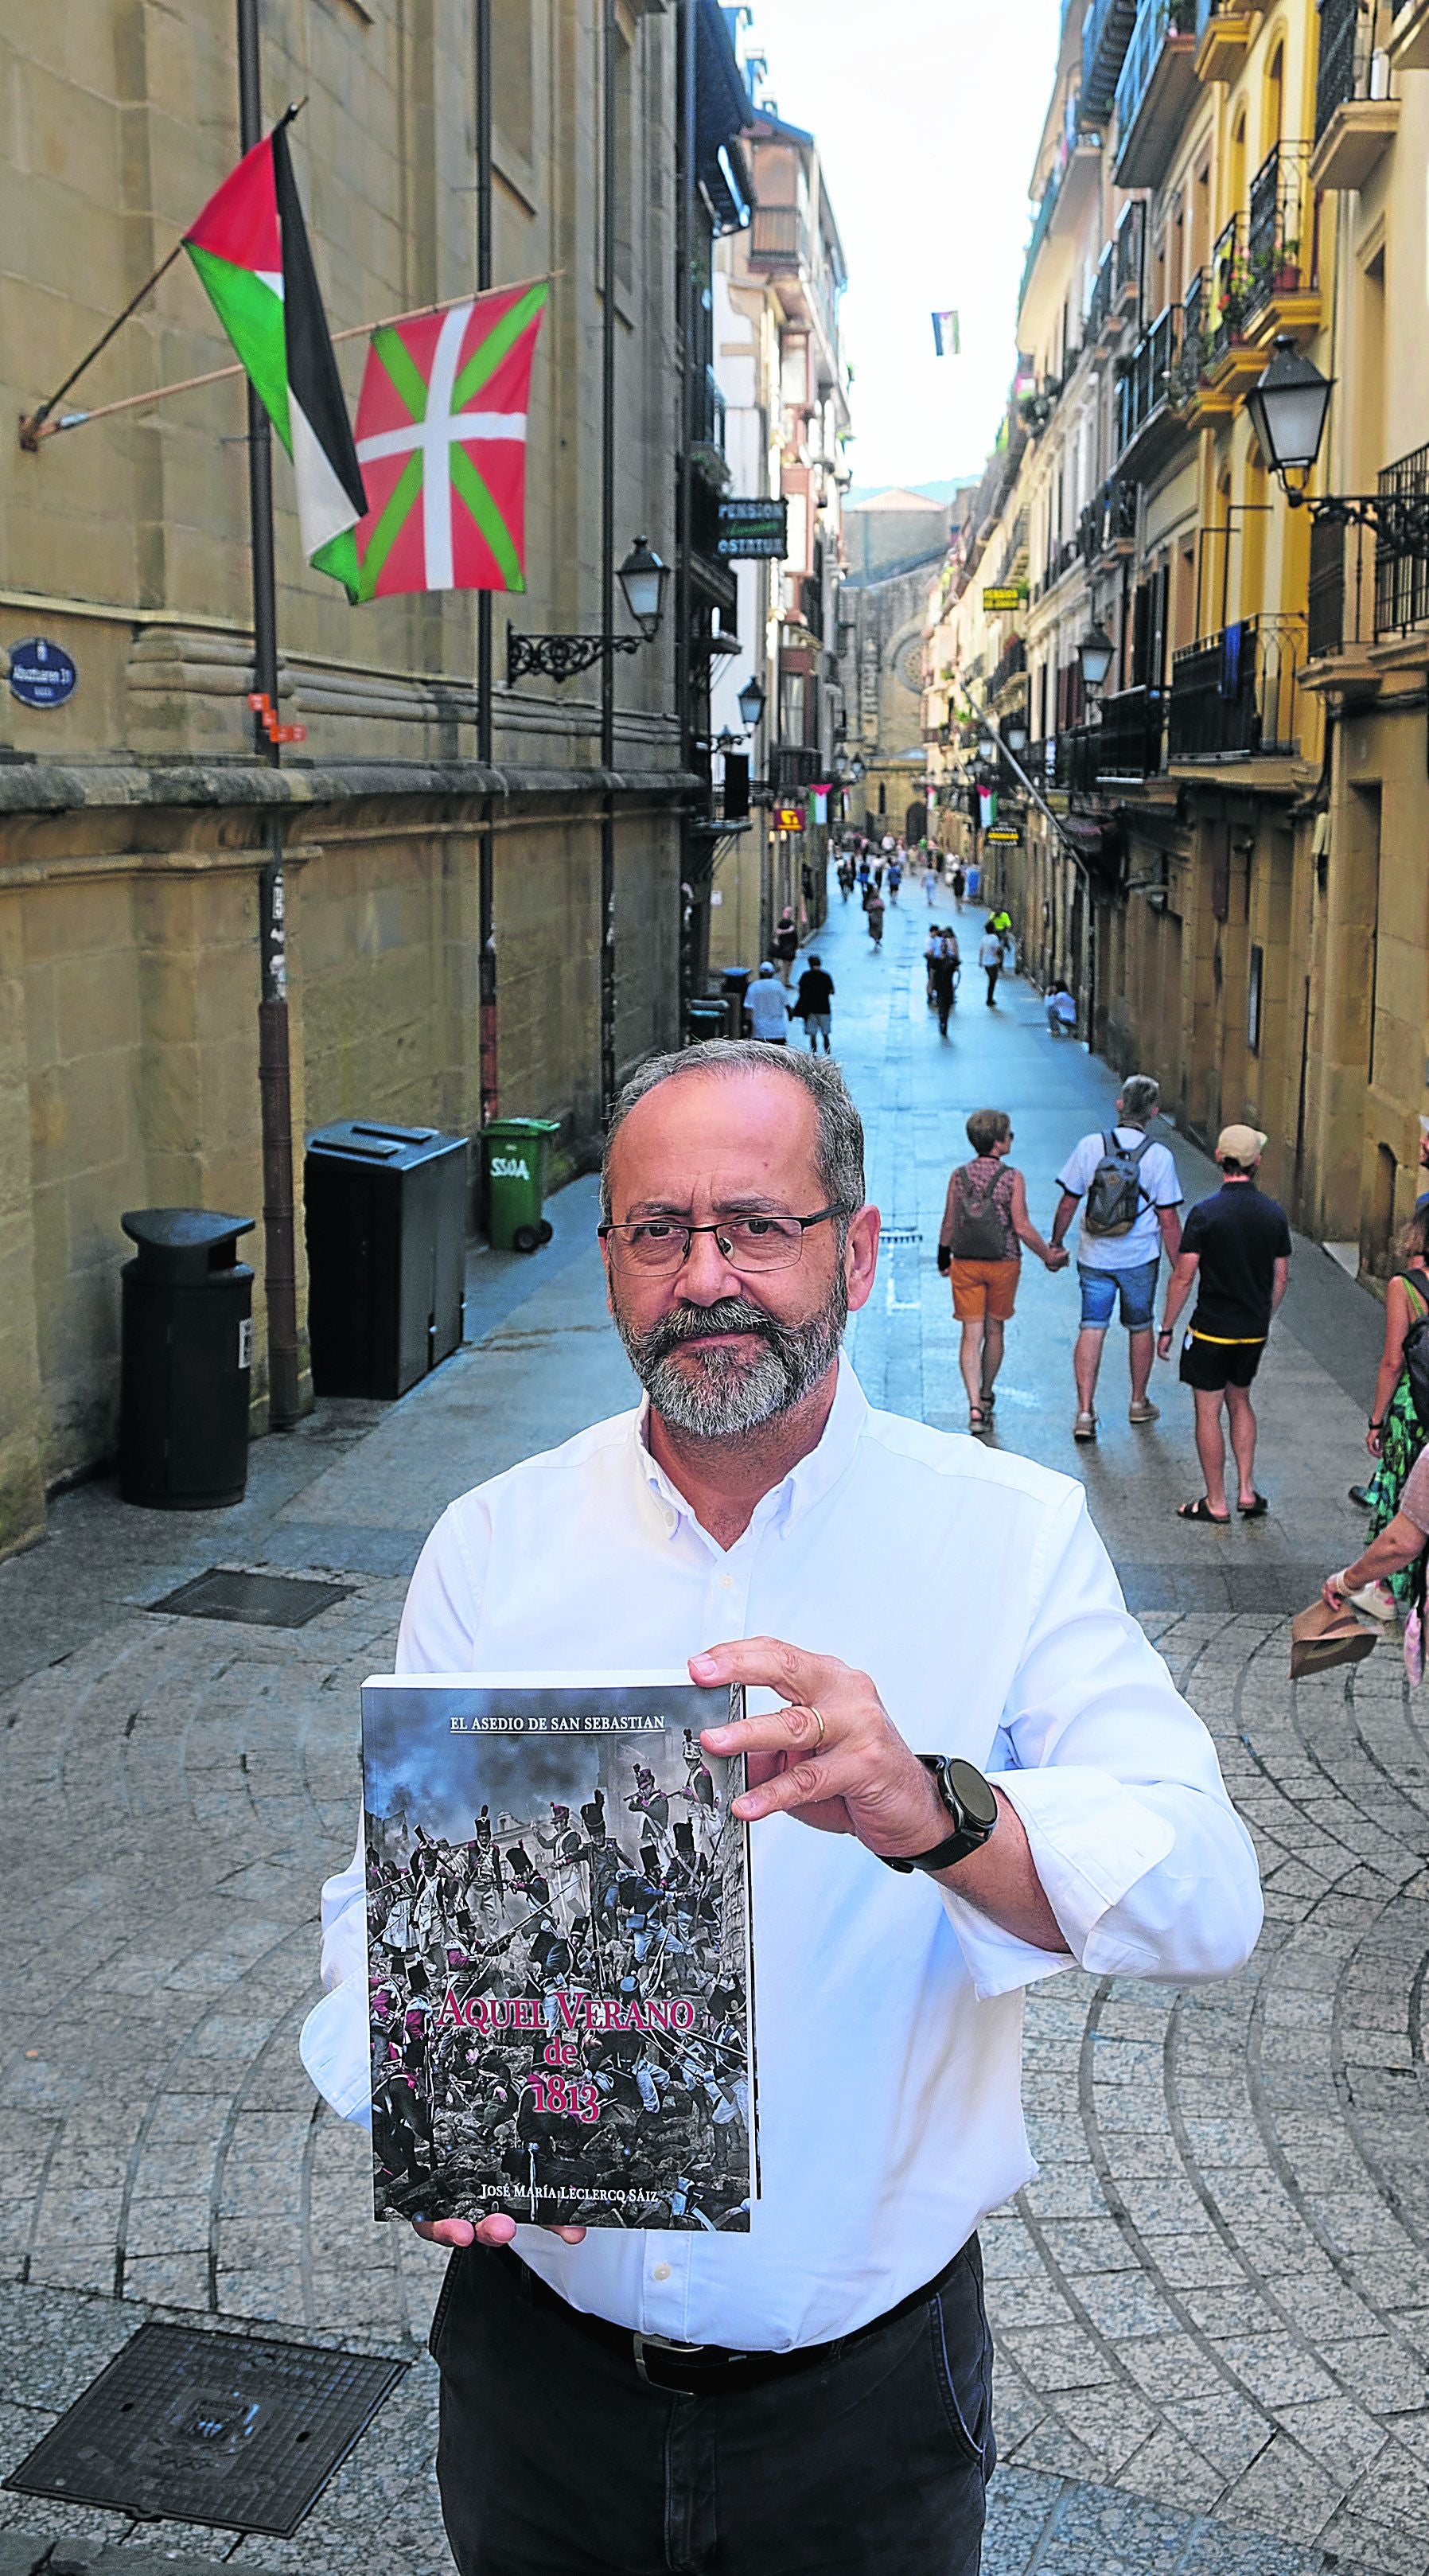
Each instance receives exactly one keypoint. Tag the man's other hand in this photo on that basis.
(458, 2232)
(832, 1756)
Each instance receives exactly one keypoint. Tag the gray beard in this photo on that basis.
(725, 1396)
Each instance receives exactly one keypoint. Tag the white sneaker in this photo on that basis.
(1376, 1599)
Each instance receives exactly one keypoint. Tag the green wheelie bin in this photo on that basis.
(515, 1150)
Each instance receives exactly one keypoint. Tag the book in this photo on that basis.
(559, 1952)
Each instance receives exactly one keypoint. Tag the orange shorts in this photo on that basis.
(984, 1291)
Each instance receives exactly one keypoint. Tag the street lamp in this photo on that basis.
(1095, 655)
(1015, 736)
(1287, 408)
(751, 701)
(642, 579)
(856, 767)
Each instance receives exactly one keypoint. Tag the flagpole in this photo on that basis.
(274, 1061)
(607, 561)
(487, 1056)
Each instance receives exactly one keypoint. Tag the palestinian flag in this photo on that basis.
(250, 247)
(441, 433)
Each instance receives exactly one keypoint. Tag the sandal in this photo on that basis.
(1253, 1511)
(1200, 1510)
(977, 1419)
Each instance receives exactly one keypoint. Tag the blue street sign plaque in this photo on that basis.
(41, 673)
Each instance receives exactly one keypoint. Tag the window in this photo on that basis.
(1254, 999)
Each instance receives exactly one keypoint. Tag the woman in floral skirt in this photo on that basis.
(1396, 1435)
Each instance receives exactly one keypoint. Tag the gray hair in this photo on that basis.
(1139, 1096)
(840, 1128)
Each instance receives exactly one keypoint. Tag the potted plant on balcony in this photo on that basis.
(1236, 285)
(1286, 279)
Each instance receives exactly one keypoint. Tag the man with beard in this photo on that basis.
(903, 1898)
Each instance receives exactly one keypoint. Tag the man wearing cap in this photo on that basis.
(1235, 1252)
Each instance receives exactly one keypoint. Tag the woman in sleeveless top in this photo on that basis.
(1396, 1435)
(985, 1223)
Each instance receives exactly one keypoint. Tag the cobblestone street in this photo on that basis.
(1212, 2308)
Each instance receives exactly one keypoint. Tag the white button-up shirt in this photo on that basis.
(973, 1588)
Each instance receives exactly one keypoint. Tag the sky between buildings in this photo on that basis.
(927, 114)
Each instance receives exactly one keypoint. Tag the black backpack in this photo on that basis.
(1115, 1196)
(1416, 1349)
(979, 1232)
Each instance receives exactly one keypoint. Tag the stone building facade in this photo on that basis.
(895, 543)
(134, 818)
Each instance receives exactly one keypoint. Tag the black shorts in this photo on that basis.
(1213, 1366)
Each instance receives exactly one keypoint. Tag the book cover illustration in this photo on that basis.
(558, 1953)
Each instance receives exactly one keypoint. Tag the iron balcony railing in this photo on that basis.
(1279, 249)
(1156, 21)
(1126, 743)
(707, 409)
(1233, 695)
(1369, 584)
(1351, 66)
(1061, 555)
(1190, 363)
(1144, 386)
(1228, 292)
(1100, 305)
(1128, 245)
(793, 765)
(1013, 661)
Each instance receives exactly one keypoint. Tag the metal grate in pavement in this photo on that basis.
(255, 1600)
(214, 2428)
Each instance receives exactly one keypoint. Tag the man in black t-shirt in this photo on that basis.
(1235, 1252)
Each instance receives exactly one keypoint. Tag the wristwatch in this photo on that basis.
(970, 1804)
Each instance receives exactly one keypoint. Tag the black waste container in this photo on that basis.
(186, 1356)
(734, 983)
(385, 1211)
(705, 1019)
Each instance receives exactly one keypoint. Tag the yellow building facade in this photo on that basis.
(1234, 868)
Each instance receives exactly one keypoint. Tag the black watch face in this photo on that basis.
(973, 1794)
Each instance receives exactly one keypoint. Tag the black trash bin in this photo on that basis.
(705, 1018)
(734, 983)
(186, 1356)
(386, 1226)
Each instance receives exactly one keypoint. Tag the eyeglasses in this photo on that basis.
(660, 1243)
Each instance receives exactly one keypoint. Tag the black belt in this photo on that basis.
(712, 2369)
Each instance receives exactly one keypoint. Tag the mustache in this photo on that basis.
(728, 1316)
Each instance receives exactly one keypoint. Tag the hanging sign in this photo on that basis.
(1005, 833)
(753, 531)
(41, 673)
(791, 818)
(998, 597)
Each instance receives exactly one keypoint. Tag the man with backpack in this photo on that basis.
(985, 1223)
(1235, 1253)
(1132, 1197)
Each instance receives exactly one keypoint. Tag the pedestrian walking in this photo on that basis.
(878, 869)
(989, 958)
(768, 1007)
(814, 1004)
(838, 2356)
(845, 874)
(873, 909)
(1132, 1194)
(1397, 1430)
(786, 945)
(895, 879)
(985, 1223)
(974, 880)
(1235, 1253)
(959, 884)
(943, 975)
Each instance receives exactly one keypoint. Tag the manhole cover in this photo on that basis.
(215, 2428)
(257, 1600)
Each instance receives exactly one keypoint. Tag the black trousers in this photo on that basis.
(555, 2459)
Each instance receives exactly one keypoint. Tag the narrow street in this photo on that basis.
(1212, 2309)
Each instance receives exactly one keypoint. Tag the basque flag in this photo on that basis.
(250, 247)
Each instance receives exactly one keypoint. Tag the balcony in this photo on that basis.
(1233, 695)
(1062, 553)
(1106, 33)
(779, 239)
(1370, 588)
(1409, 36)
(1281, 288)
(1012, 666)
(1108, 523)
(793, 765)
(706, 410)
(1128, 739)
(1146, 425)
(1156, 91)
(1355, 117)
(1099, 311)
(1223, 33)
(1230, 358)
(1129, 244)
